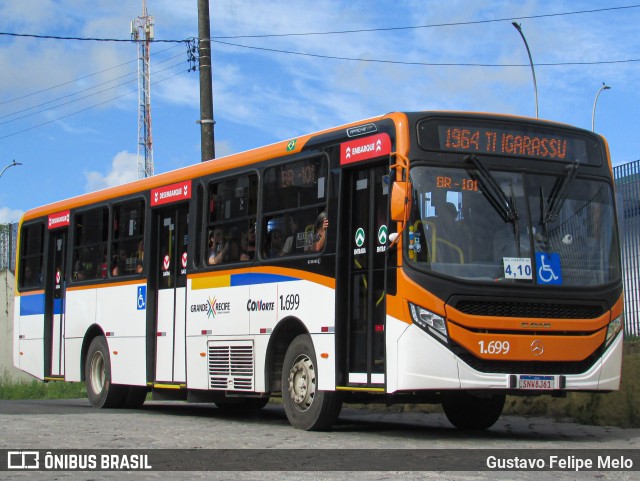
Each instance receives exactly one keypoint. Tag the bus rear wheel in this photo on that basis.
(470, 411)
(97, 373)
(305, 405)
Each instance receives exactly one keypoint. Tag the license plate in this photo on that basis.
(537, 382)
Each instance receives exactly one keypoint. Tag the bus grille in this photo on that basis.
(538, 310)
(231, 366)
(526, 367)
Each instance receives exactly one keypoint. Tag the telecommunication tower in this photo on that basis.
(142, 33)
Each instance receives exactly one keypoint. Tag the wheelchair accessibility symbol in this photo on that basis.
(142, 297)
(548, 268)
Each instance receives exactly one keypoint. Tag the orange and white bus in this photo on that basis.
(434, 257)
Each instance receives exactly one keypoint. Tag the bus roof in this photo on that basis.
(241, 159)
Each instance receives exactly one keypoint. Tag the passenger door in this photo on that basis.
(171, 270)
(365, 312)
(54, 315)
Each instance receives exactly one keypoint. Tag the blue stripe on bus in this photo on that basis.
(34, 305)
(57, 306)
(258, 278)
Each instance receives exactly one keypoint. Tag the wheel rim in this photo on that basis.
(97, 372)
(302, 382)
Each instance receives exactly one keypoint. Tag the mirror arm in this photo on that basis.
(402, 174)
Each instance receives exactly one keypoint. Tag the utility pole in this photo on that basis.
(142, 33)
(206, 85)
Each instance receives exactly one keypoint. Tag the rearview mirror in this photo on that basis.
(400, 201)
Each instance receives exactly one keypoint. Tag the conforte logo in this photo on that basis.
(254, 306)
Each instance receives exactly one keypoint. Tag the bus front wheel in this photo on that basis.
(305, 405)
(97, 373)
(470, 411)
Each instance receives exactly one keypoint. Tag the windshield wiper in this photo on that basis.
(559, 193)
(496, 196)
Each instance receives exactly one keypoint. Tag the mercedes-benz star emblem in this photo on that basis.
(537, 348)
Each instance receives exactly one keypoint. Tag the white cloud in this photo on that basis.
(8, 215)
(124, 168)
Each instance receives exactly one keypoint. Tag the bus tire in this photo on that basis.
(472, 412)
(97, 373)
(306, 407)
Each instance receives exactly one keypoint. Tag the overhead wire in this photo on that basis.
(80, 78)
(88, 108)
(80, 91)
(218, 40)
(429, 64)
(433, 25)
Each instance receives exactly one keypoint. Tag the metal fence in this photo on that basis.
(8, 237)
(627, 178)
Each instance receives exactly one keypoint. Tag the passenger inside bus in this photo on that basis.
(119, 263)
(216, 247)
(320, 237)
(273, 245)
(290, 243)
(248, 243)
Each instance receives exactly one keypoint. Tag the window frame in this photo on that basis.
(103, 245)
(236, 224)
(25, 256)
(280, 216)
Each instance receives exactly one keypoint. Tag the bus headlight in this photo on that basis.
(613, 328)
(429, 322)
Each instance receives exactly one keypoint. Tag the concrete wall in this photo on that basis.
(7, 371)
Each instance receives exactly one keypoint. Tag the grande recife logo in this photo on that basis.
(212, 307)
(365, 148)
(171, 193)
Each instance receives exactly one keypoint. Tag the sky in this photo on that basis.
(69, 108)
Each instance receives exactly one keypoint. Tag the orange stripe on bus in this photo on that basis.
(107, 284)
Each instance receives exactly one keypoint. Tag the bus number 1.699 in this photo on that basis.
(494, 347)
(290, 302)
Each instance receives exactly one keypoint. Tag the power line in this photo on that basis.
(86, 39)
(428, 64)
(83, 97)
(433, 25)
(87, 108)
(83, 90)
(78, 79)
(336, 32)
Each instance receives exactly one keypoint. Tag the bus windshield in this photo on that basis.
(527, 228)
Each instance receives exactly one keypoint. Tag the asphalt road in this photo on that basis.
(73, 424)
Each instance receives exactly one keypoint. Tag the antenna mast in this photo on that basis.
(142, 33)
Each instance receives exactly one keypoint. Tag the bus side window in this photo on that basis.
(31, 257)
(231, 219)
(295, 194)
(127, 237)
(90, 244)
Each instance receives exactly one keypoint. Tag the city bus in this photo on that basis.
(417, 257)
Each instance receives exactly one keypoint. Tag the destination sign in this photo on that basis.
(499, 138)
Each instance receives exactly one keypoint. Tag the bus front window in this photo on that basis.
(461, 226)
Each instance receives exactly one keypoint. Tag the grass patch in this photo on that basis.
(40, 390)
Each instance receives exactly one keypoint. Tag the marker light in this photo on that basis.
(613, 328)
